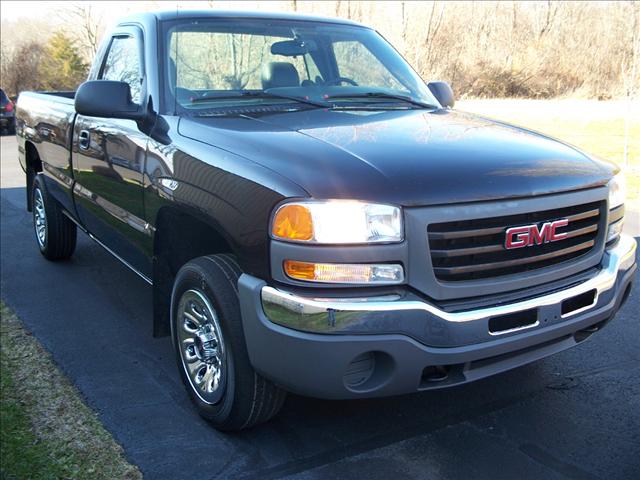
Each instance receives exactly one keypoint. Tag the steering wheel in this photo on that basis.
(339, 80)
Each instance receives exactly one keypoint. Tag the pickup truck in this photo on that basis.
(315, 218)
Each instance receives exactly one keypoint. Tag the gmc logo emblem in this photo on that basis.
(529, 235)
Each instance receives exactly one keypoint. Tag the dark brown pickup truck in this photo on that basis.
(313, 217)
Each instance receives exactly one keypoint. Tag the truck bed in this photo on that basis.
(46, 119)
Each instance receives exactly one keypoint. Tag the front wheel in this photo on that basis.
(55, 233)
(210, 347)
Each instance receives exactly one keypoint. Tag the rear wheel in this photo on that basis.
(55, 233)
(211, 350)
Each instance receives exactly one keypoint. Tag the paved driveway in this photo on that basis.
(574, 415)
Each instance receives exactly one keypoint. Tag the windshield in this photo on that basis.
(225, 63)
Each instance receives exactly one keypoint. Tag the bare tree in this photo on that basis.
(433, 26)
(21, 70)
(88, 28)
(551, 11)
(405, 23)
(631, 76)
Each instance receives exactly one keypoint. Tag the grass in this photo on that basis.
(22, 455)
(596, 127)
(46, 430)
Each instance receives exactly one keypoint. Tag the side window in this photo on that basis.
(123, 65)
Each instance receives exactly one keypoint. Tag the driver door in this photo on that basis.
(108, 158)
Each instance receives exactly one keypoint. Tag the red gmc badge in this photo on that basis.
(528, 235)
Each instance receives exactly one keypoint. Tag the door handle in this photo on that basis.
(83, 140)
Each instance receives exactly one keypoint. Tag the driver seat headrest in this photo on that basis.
(279, 74)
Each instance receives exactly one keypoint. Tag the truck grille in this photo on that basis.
(473, 249)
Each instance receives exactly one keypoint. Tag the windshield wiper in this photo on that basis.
(383, 95)
(258, 94)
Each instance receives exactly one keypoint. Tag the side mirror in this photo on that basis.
(106, 98)
(443, 93)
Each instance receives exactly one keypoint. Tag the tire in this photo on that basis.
(211, 351)
(55, 233)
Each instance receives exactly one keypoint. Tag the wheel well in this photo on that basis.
(34, 165)
(180, 237)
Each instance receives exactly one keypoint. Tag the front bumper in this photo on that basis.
(456, 347)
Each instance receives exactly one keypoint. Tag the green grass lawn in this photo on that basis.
(596, 127)
(46, 430)
(22, 455)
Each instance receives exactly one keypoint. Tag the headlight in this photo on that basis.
(337, 222)
(617, 191)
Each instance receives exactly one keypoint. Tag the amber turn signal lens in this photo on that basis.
(380, 274)
(293, 222)
(300, 270)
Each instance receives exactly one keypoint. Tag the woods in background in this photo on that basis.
(484, 49)
(54, 65)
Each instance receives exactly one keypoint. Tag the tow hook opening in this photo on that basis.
(585, 333)
(435, 373)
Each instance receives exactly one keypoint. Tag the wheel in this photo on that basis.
(55, 233)
(207, 334)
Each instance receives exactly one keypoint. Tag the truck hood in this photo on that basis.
(405, 157)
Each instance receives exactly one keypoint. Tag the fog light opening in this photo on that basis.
(360, 369)
(368, 371)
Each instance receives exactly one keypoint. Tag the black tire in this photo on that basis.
(247, 398)
(60, 232)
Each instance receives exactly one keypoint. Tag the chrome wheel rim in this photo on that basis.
(39, 218)
(201, 346)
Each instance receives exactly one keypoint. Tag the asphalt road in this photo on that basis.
(573, 415)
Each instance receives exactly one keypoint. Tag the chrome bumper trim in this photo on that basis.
(327, 310)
